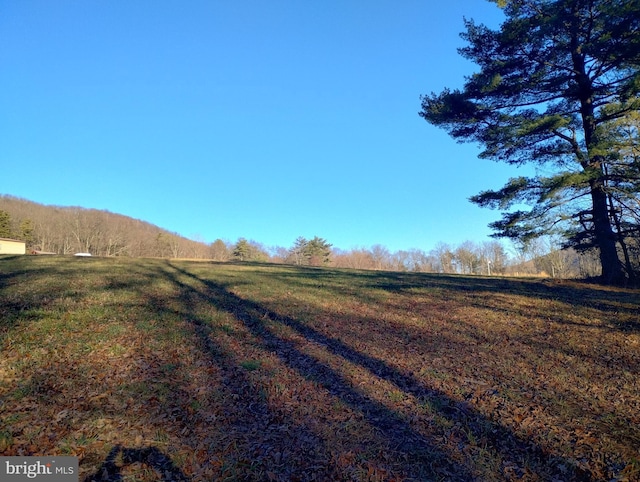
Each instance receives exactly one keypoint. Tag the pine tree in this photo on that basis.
(242, 250)
(26, 231)
(553, 80)
(5, 224)
(317, 251)
(297, 251)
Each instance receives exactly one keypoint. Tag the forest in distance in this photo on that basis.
(68, 230)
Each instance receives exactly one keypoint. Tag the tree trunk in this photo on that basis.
(605, 239)
(620, 237)
(612, 270)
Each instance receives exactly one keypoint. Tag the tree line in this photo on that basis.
(68, 230)
(543, 256)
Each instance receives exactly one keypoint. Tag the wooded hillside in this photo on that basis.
(66, 230)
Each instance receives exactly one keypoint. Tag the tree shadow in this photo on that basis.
(256, 438)
(420, 458)
(571, 293)
(112, 468)
(27, 304)
(609, 310)
(607, 300)
(423, 453)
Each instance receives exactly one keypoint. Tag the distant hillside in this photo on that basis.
(66, 230)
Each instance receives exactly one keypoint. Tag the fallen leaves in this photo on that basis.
(278, 373)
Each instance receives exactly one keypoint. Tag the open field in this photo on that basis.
(173, 370)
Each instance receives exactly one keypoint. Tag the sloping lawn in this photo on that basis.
(165, 370)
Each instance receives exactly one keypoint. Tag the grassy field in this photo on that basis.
(170, 370)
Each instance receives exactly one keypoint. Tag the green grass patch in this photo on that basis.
(250, 365)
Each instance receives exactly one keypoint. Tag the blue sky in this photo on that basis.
(227, 119)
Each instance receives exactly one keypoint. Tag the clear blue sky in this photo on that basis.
(227, 119)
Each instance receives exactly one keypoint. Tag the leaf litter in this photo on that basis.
(154, 370)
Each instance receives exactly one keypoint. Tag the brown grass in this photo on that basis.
(155, 370)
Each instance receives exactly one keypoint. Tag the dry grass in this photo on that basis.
(155, 370)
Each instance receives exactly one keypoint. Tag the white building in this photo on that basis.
(12, 246)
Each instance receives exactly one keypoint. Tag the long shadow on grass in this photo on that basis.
(421, 459)
(422, 453)
(593, 296)
(257, 441)
(28, 304)
(607, 301)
